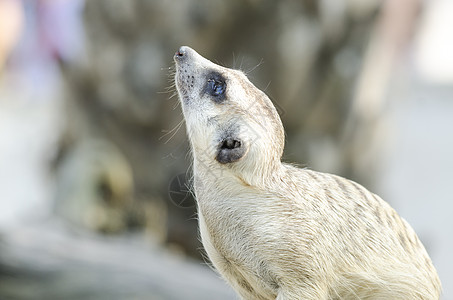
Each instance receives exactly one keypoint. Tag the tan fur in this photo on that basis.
(274, 231)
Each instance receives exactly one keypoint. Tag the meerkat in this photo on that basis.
(276, 231)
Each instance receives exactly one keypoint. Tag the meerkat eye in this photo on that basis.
(216, 88)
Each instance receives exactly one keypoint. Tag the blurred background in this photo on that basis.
(94, 201)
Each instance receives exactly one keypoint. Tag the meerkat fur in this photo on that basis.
(275, 231)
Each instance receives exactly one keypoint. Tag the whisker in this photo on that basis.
(172, 131)
(253, 69)
(171, 88)
(268, 84)
(177, 102)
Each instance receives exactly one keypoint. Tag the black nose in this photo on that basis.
(181, 52)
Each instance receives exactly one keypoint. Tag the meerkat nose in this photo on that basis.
(182, 52)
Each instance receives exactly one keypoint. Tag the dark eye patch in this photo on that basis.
(216, 86)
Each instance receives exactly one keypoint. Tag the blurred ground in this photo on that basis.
(83, 266)
(92, 201)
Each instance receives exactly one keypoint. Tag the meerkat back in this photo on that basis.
(275, 231)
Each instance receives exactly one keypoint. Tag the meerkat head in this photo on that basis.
(231, 124)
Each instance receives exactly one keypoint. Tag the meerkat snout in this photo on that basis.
(180, 52)
(275, 231)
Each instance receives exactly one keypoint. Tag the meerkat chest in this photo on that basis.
(233, 232)
(225, 227)
(237, 261)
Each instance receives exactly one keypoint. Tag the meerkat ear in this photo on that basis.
(230, 150)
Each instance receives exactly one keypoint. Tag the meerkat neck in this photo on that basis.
(257, 176)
